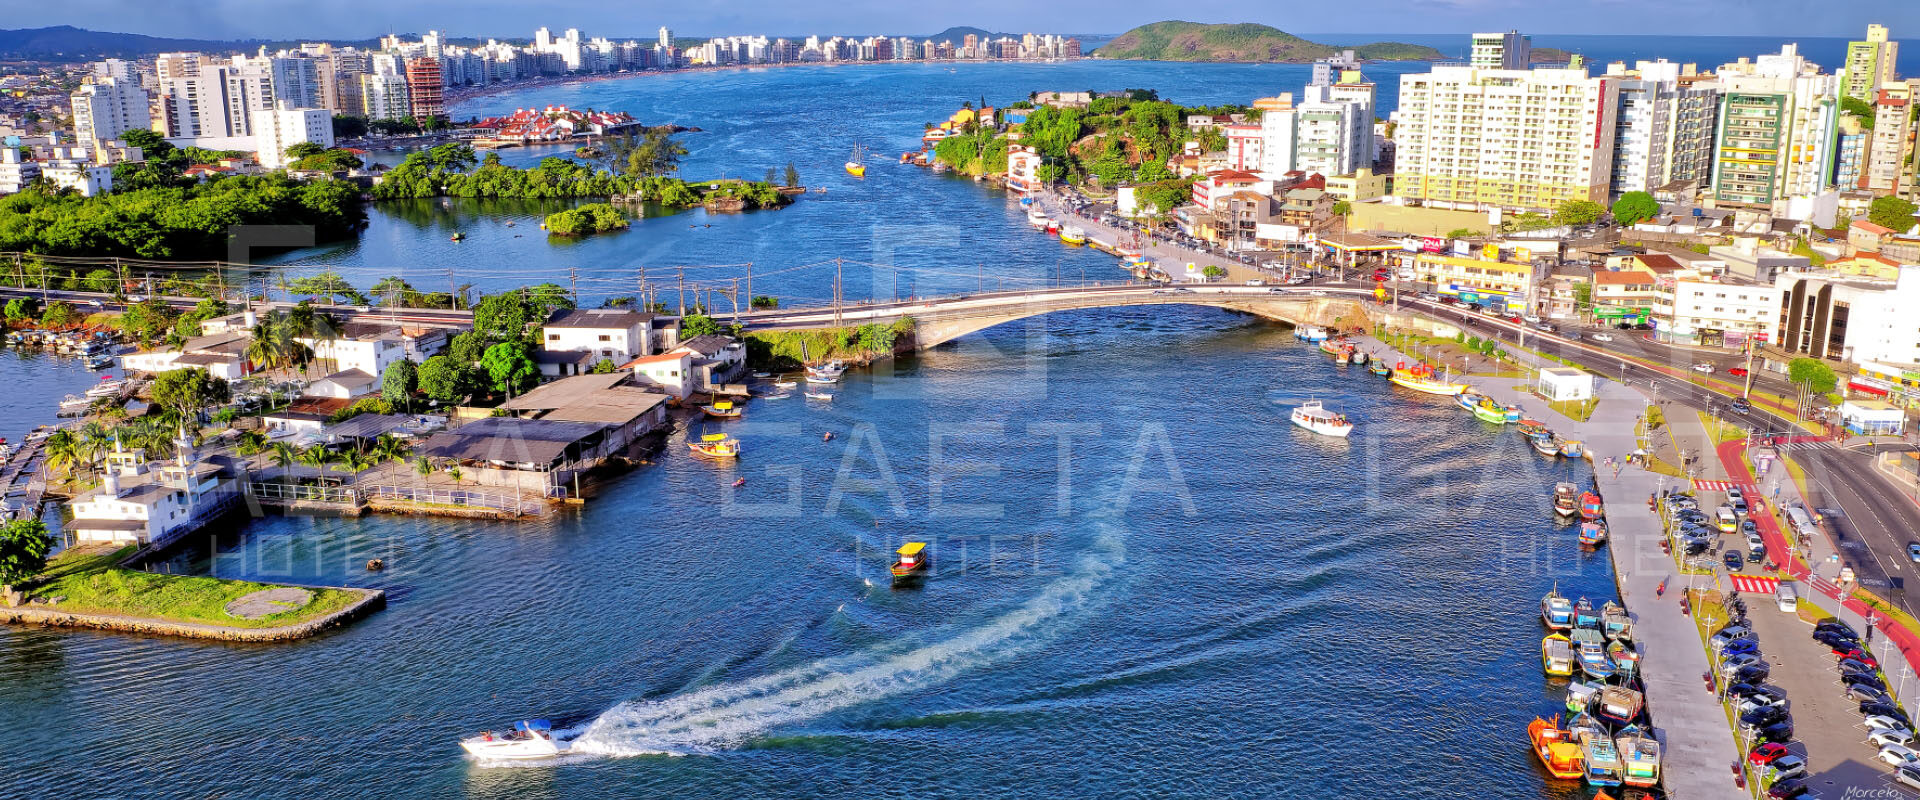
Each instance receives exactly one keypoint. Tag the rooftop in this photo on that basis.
(510, 439)
(707, 345)
(598, 318)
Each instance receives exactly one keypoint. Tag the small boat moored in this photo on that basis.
(1615, 623)
(723, 409)
(1562, 757)
(1566, 499)
(529, 739)
(1556, 655)
(1593, 533)
(1556, 611)
(715, 445)
(1641, 751)
(1591, 507)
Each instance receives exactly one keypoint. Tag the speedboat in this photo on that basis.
(1562, 757)
(1314, 417)
(74, 404)
(1544, 444)
(1310, 333)
(1566, 500)
(785, 383)
(1037, 218)
(1593, 533)
(1556, 655)
(911, 564)
(1641, 751)
(107, 387)
(1615, 623)
(529, 739)
(1556, 611)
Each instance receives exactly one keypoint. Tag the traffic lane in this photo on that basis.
(1857, 531)
(1883, 521)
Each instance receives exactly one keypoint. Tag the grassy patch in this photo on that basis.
(1721, 430)
(1577, 410)
(1884, 608)
(91, 584)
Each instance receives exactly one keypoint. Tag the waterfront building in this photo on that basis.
(666, 38)
(142, 504)
(1870, 64)
(1716, 313)
(1510, 50)
(624, 410)
(215, 103)
(1485, 278)
(370, 348)
(1778, 130)
(277, 129)
(1475, 139)
(614, 334)
(425, 87)
(716, 360)
(108, 107)
(1023, 169)
(220, 353)
(670, 372)
(338, 73)
(1851, 318)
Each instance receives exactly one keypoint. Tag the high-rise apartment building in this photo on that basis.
(1870, 64)
(296, 80)
(1277, 134)
(217, 101)
(383, 95)
(666, 38)
(1663, 128)
(1472, 138)
(1778, 131)
(108, 107)
(277, 129)
(1332, 136)
(425, 88)
(1510, 50)
(1891, 138)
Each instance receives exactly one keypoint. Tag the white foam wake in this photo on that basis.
(727, 715)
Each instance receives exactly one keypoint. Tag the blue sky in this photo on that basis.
(517, 18)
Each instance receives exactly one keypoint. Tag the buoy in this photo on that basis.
(376, 565)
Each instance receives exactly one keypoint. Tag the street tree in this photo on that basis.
(509, 367)
(1635, 207)
(1813, 374)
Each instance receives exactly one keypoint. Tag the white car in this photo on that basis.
(1786, 767)
(1899, 755)
(1602, 337)
(1883, 738)
(1318, 293)
(1706, 369)
(1879, 722)
(1531, 318)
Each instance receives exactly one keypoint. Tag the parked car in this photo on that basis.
(1863, 680)
(1836, 625)
(1762, 717)
(1860, 691)
(1781, 732)
(1879, 722)
(1751, 674)
(1603, 337)
(1788, 789)
(1870, 708)
(1736, 660)
(1898, 755)
(1733, 560)
(1786, 768)
(1882, 738)
(1766, 753)
(1430, 297)
(1731, 632)
(1835, 639)
(1736, 647)
(1908, 776)
(1748, 705)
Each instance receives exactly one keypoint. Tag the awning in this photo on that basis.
(1867, 388)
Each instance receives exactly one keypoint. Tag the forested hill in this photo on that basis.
(1193, 41)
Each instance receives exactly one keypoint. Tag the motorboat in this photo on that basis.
(812, 378)
(1604, 766)
(1615, 623)
(1313, 416)
(529, 740)
(910, 563)
(724, 409)
(854, 165)
(1358, 357)
(1619, 706)
(1593, 533)
(715, 445)
(1563, 758)
(1420, 378)
(1591, 507)
(1556, 611)
(785, 383)
(108, 386)
(1556, 655)
(1584, 615)
(1625, 657)
(1572, 448)
(1310, 333)
(1566, 499)
(1468, 399)
(1494, 411)
(1544, 444)
(1590, 648)
(1380, 368)
(1533, 427)
(74, 405)
(1641, 752)
(1073, 234)
(1580, 696)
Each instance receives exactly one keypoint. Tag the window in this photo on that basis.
(605, 338)
(553, 337)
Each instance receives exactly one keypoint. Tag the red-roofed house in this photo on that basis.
(1865, 236)
(671, 372)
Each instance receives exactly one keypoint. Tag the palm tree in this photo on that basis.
(63, 451)
(263, 346)
(422, 466)
(317, 456)
(389, 448)
(283, 455)
(352, 462)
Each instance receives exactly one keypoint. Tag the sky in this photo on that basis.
(362, 19)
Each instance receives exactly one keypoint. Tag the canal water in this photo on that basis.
(1146, 581)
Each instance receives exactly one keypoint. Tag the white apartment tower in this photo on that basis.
(1663, 130)
(1509, 50)
(1472, 138)
(277, 129)
(1331, 136)
(108, 107)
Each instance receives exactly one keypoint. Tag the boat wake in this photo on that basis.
(726, 716)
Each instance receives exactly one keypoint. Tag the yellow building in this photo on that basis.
(1487, 281)
(1363, 184)
(1518, 139)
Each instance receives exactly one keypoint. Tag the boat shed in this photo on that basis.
(1565, 383)
(531, 455)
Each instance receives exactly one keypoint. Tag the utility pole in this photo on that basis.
(837, 271)
(453, 291)
(683, 291)
(573, 284)
(749, 285)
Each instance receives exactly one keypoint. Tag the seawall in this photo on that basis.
(371, 600)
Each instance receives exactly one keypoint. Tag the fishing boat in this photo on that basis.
(1604, 767)
(1593, 533)
(100, 362)
(530, 739)
(1490, 410)
(831, 369)
(911, 563)
(785, 383)
(715, 445)
(1533, 427)
(854, 165)
(1625, 657)
(1073, 234)
(1641, 752)
(1563, 758)
(1313, 416)
(1619, 706)
(1556, 655)
(1037, 218)
(1614, 621)
(813, 395)
(1358, 356)
(1310, 333)
(1467, 399)
(1420, 378)
(1556, 611)
(724, 409)
(1584, 615)
(1566, 500)
(1544, 444)
(1580, 696)
(1380, 368)
(1572, 448)
(1591, 507)
(1591, 650)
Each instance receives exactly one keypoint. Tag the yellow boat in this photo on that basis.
(1073, 235)
(854, 165)
(1556, 655)
(1420, 378)
(716, 445)
(912, 562)
(722, 410)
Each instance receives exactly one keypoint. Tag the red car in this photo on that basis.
(1514, 319)
(1738, 372)
(1856, 654)
(1766, 753)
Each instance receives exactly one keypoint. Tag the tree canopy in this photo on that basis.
(1892, 213)
(1635, 207)
(1579, 212)
(509, 366)
(188, 391)
(164, 219)
(1813, 374)
(24, 545)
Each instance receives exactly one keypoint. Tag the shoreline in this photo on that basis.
(371, 600)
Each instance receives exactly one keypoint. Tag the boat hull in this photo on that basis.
(1428, 386)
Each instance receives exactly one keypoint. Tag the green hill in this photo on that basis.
(1193, 41)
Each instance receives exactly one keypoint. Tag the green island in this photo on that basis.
(1176, 40)
(790, 349)
(453, 170)
(86, 581)
(587, 219)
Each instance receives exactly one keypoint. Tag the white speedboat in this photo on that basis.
(107, 387)
(75, 403)
(1037, 218)
(529, 739)
(1315, 417)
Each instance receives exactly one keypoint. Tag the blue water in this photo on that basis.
(1189, 597)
